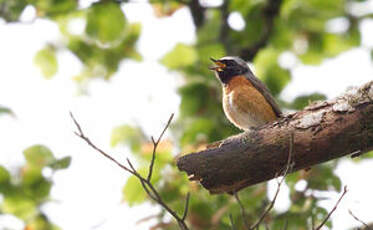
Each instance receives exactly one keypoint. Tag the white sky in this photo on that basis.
(89, 192)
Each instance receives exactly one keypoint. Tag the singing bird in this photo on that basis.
(247, 102)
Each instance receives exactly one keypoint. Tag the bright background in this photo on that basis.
(88, 194)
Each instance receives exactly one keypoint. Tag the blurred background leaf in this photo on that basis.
(5, 110)
(25, 191)
(46, 60)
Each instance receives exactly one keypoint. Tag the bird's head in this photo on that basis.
(228, 67)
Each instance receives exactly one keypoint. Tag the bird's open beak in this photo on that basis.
(219, 65)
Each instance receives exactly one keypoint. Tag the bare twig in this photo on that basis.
(279, 183)
(312, 222)
(155, 145)
(86, 139)
(232, 222)
(145, 182)
(243, 211)
(186, 206)
(334, 208)
(145, 219)
(286, 225)
(360, 221)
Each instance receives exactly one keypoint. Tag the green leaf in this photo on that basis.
(323, 45)
(38, 156)
(283, 36)
(5, 110)
(41, 222)
(53, 7)
(210, 50)
(104, 61)
(34, 184)
(38, 190)
(199, 130)
(268, 69)
(334, 44)
(210, 30)
(31, 175)
(4, 176)
(302, 101)
(46, 60)
(106, 22)
(133, 192)
(243, 6)
(193, 98)
(128, 135)
(62, 163)
(20, 206)
(322, 177)
(181, 56)
(11, 9)
(367, 155)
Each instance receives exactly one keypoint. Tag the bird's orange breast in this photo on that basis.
(244, 105)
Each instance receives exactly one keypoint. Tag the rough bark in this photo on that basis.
(322, 131)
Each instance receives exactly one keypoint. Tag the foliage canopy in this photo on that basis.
(303, 28)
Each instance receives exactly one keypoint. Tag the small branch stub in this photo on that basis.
(322, 131)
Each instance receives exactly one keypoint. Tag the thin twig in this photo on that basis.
(286, 225)
(186, 206)
(357, 219)
(232, 222)
(287, 169)
(145, 219)
(243, 211)
(145, 182)
(86, 139)
(334, 208)
(155, 145)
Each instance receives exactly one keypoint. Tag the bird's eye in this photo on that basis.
(230, 63)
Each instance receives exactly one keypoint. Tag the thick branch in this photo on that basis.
(323, 131)
(197, 12)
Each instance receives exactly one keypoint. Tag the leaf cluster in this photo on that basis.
(26, 190)
(302, 28)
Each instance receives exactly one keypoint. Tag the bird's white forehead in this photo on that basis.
(228, 58)
(236, 59)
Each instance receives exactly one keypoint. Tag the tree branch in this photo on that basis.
(289, 165)
(323, 131)
(233, 226)
(224, 27)
(243, 211)
(269, 13)
(197, 12)
(334, 208)
(367, 227)
(155, 145)
(145, 182)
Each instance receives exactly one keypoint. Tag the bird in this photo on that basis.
(247, 102)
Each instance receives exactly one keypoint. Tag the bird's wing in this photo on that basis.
(265, 91)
